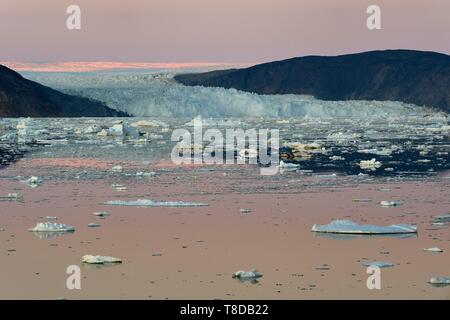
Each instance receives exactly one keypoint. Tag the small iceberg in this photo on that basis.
(152, 203)
(444, 218)
(251, 275)
(288, 165)
(350, 227)
(34, 181)
(99, 259)
(93, 225)
(378, 264)
(391, 203)
(12, 197)
(433, 249)
(52, 227)
(440, 281)
(117, 168)
(101, 214)
(372, 164)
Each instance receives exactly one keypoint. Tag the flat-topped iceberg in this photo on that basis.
(153, 203)
(378, 264)
(440, 281)
(350, 227)
(99, 259)
(52, 227)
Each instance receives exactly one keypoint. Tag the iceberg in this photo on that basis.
(350, 227)
(99, 259)
(153, 203)
(372, 164)
(52, 227)
(392, 203)
(378, 264)
(434, 249)
(440, 281)
(34, 181)
(247, 275)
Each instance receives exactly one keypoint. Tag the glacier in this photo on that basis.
(157, 94)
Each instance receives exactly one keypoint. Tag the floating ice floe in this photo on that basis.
(245, 210)
(433, 249)
(51, 218)
(288, 166)
(145, 174)
(440, 281)
(391, 203)
(117, 168)
(101, 214)
(247, 275)
(350, 227)
(378, 264)
(372, 164)
(12, 197)
(152, 203)
(93, 225)
(34, 181)
(99, 259)
(118, 187)
(52, 227)
(443, 218)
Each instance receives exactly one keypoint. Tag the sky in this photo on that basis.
(233, 31)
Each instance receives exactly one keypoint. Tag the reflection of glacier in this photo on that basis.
(157, 94)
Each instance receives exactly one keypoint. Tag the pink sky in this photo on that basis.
(215, 30)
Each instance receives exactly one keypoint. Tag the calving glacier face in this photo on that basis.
(156, 94)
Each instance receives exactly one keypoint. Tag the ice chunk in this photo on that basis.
(99, 259)
(440, 281)
(378, 264)
(247, 275)
(350, 227)
(101, 214)
(12, 197)
(93, 225)
(391, 203)
(52, 227)
(444, 218)
(34, 181)
(153, 203)
(433, 249)
(288, 166)
(372, 164)
(145, 174)
(117, 168)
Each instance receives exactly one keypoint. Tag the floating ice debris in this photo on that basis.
(336, 158)
(391, 203)
(244, 210)
(34, 181)
(99, 259)
(372, 164)
(378, 264)
(93, 225)
(350, 227)
(145, 174)
(444, 218)
(287, 166)
(101, 214)
(440, 281)
(433, 249)
(117, 168)
(51, 218)
(247, 275)
(152, 203)
(12, 197)
(52, 227)
(362, 200)
(118, 187)
(249, 153)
